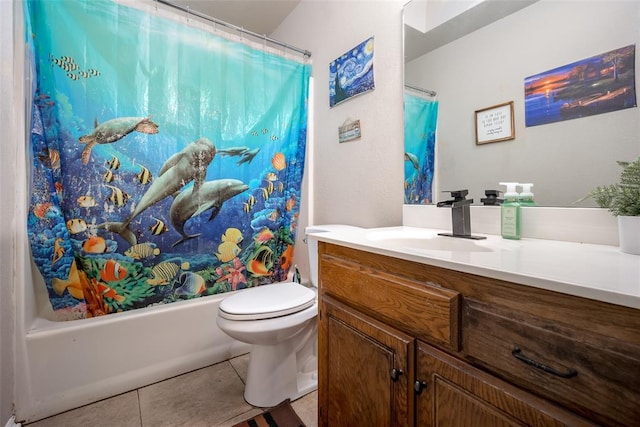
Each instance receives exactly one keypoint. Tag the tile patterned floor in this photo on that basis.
(208, 397)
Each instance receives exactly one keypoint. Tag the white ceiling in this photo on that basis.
(417, 43)
(259, 16)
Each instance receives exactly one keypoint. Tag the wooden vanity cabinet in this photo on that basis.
(364, 381)
(404, 344)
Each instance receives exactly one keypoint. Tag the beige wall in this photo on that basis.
(7, 301)
(358, 182)
(15, 269)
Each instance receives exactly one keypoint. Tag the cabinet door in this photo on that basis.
(364, 369)
(457, 394)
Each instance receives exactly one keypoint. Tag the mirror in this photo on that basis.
(476, 54)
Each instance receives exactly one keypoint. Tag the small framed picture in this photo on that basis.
(349, 131)
(495, 124)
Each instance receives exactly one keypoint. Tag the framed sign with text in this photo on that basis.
(494, 124)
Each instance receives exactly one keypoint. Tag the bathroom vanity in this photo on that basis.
(431, 331)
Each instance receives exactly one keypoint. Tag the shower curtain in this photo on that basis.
(167, 157)
(420, 120)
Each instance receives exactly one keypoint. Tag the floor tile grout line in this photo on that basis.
(236, 371)
(139, 406)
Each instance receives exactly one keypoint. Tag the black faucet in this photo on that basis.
(492, 198)
(460, 215)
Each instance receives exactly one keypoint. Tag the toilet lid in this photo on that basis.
(267, 301)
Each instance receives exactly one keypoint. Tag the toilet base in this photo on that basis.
(281, 372)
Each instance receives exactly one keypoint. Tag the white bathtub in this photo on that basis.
(64, 365)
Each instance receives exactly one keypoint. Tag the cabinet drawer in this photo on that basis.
(457, 394)
(425, 311)
(590, 374)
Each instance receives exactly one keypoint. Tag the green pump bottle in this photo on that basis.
(510, 213)
(526, 196)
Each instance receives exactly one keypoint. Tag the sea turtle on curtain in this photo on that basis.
(114, 130)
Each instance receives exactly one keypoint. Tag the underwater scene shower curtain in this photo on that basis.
(420, 120)
(167, 158)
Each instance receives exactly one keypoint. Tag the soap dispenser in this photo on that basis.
(510, 216)
(526, 196)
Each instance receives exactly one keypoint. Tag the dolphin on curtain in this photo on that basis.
(212, 195)
(188, 165)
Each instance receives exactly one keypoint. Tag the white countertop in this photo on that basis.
(598, 272)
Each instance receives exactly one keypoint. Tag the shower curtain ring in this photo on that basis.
(188, 12)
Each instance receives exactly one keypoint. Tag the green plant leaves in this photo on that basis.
(622, 198)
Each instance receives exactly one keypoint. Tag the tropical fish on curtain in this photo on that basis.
(167, 160)
(420, 120)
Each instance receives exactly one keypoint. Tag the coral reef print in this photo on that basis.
(167, 160)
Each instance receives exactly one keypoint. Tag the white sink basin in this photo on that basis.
(426, 240)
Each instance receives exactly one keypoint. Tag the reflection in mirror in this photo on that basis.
(420, 120)
(479, 55)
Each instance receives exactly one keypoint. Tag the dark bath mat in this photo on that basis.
(281, 415)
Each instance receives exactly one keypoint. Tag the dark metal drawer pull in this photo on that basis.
(516, 352)
(395, 374)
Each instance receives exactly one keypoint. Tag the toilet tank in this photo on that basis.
(312, 245)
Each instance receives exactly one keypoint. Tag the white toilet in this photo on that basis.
(279, 321)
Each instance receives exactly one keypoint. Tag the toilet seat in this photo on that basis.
(267, 301)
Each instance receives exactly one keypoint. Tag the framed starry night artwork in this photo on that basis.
(352, 73)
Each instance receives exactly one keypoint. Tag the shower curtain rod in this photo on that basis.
(234, 27)
(427, 91)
